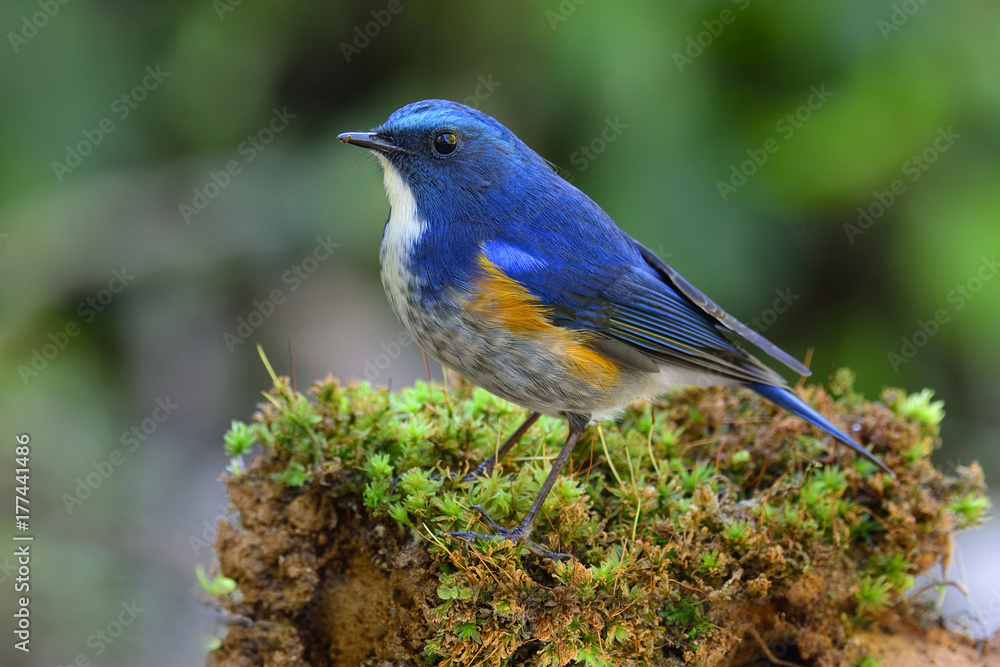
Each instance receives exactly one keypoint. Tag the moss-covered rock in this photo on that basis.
(706, 529)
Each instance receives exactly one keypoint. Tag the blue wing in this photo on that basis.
(643, 313)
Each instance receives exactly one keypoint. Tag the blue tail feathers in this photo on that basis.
(785, 398)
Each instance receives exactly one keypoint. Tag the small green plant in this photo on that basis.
(239, 439)
(294, 474)
(694, 477)
(873, 595)
(379, 466)
(468, 631)
(454, 592)
(741, 457)
(971, 509)
(737, 531)
(920, 408)
(897, 572)
(710, 561)
(216, 586)
(918, 451)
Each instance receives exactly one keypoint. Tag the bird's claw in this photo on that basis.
(520, 534)
(484, 515)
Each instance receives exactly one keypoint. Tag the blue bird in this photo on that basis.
(508, 274)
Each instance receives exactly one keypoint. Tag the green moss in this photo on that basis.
(693, 520)
(874, 594)
(217, 586)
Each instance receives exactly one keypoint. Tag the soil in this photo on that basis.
(321, 584)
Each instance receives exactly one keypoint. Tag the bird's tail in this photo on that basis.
(785, 398)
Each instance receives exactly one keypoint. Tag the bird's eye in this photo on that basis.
(445, 142)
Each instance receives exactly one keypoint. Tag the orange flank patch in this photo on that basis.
(507, 304)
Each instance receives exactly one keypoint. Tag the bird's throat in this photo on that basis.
(402, 232)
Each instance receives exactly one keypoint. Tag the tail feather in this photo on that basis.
(785, 398)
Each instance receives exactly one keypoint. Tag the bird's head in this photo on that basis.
(449, 156)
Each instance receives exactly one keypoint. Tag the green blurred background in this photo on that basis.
(116, 300)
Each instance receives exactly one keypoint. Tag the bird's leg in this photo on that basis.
(484, 468)
(522, 533)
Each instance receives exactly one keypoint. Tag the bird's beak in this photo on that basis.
(369, 140)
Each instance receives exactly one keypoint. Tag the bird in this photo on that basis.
(511, 276)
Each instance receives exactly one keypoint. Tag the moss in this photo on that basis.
(704, 528)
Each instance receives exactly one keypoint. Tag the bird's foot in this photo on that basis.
(522, 534)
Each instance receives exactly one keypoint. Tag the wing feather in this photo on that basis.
(645, 314)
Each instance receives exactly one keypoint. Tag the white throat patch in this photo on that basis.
(404, 229)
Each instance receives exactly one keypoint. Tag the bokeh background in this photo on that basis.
(170, 170)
